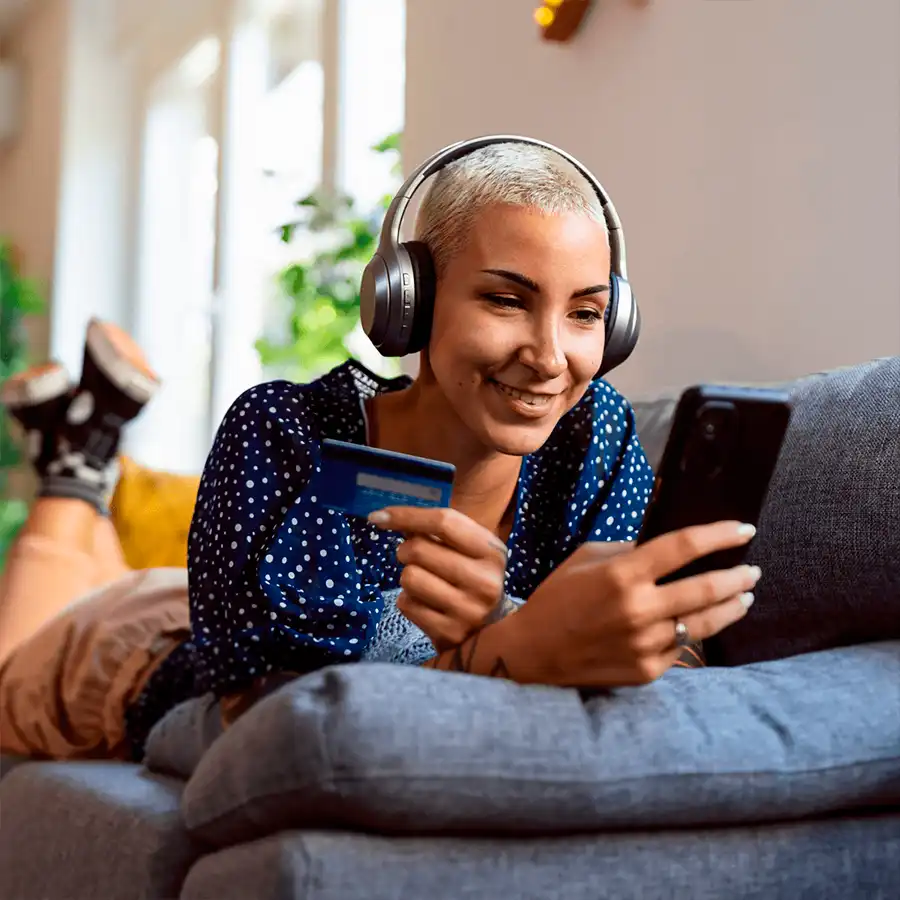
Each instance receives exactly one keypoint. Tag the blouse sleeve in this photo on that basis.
(628, 475)
(272, 579)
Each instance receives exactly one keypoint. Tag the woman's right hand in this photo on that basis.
(603, 621)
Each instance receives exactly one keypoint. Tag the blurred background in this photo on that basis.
(211, 174)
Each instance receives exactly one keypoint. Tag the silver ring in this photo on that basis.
(682, 635)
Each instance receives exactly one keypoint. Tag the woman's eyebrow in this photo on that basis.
(594, 289)
(515, 277)
(526, 282)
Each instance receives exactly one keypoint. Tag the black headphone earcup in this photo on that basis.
(425, 280)
(623, 325)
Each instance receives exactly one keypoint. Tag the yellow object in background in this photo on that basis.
(152, 513)
(544, 16)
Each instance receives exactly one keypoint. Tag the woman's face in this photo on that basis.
(518, 329)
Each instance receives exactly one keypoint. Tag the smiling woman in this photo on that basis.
(519, 284)
(546, 457)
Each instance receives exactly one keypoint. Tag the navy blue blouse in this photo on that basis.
(280, 583)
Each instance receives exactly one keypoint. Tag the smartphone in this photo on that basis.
(717, 464)
(359, 480)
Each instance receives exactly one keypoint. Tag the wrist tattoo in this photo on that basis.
(461, 659)
(504, 607)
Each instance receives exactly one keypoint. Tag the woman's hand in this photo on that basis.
(603, 621)
(453, 571)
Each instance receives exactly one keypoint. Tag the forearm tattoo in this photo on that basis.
(462, 658)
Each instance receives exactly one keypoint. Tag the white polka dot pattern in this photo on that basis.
(280, 583)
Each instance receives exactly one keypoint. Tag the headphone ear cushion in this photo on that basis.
(623, 325)
(425, 281)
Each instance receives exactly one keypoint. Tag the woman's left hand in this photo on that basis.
(453, 573)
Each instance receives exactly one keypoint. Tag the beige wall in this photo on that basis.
(751, 149)
(29, 166)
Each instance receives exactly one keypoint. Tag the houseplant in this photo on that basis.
(320, 289)
(19, 298)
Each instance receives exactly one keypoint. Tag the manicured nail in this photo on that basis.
(747, 599)
(747, 530)
(380, 517)
(755, 572)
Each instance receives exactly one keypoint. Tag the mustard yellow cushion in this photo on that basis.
(152, 512)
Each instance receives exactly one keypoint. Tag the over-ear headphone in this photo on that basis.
(398, 284)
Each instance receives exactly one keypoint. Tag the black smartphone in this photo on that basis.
(717, 465)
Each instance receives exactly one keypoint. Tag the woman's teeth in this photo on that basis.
(535, 400)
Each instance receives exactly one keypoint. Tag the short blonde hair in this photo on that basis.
(512, 173)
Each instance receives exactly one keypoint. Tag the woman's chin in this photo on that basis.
(515, 440)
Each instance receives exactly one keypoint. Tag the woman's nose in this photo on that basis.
(543, 353)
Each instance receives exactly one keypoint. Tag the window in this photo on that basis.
(176, 259)
(262, 108)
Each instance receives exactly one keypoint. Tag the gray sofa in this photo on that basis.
(775, 774)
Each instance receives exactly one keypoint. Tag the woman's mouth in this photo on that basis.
(524, 401)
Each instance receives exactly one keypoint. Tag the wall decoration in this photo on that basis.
(559, 20)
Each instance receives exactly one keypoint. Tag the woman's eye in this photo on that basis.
(588, 316)
(505, 301)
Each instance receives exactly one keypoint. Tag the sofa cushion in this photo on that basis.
(835, 859)
(178, 741)
(653, 422)
(404, 749)
(9, 761)
(92, 830)
(829, 535)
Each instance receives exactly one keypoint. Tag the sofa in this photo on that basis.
(774, 773)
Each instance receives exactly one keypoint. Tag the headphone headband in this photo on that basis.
(390, 229)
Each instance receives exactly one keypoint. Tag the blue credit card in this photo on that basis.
(359, 480)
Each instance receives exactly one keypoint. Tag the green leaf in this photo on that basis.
(391, 143)
(293, 279)
(321, 292)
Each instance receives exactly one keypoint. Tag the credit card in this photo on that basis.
(359, 480)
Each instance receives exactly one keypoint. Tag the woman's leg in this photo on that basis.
(65, 550)
(67, 691)
(76, 663)
(108, 556)
(73, 437)
(50, 564)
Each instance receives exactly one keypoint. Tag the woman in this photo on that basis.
(551, 484)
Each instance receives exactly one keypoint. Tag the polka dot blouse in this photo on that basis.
(279, 583)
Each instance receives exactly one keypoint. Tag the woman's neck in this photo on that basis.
(419, 421)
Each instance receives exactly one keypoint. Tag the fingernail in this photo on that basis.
(755, 572)
(746, 530)
(747, 599)
(379, 517)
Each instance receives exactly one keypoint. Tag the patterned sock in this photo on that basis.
(37, 399)
(116, 383)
